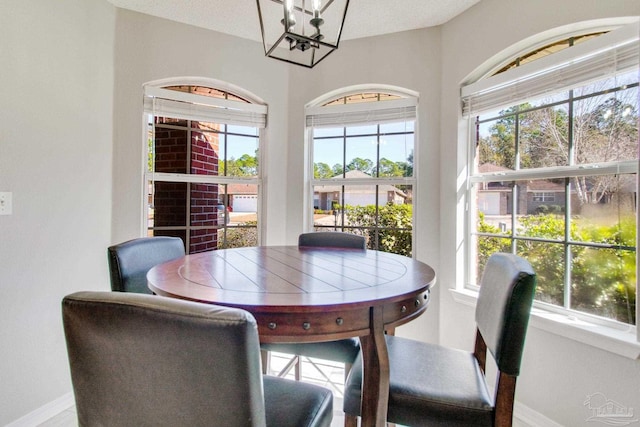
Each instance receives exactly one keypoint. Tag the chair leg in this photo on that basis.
(350, 421)
(265, 356)
(504, 400)
(298, 368)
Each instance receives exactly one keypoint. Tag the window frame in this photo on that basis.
(407, 102)
(605, 333)
(199, 108)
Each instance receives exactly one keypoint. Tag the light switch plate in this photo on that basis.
(6, 205)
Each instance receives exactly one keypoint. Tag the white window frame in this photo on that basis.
(158, 101)
(614, 52)
(359, 114)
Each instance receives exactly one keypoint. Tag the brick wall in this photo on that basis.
(172, 148)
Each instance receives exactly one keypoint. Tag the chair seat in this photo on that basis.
(446, 387)
(344, 351)
(313, 404)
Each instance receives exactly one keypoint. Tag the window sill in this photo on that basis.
(621, 342)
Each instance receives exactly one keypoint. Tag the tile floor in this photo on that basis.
(327, 374)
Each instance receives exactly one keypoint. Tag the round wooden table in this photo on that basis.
(301, 294)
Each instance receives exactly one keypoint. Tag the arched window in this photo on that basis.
(361, 175)
(203, 164)
(553, 171)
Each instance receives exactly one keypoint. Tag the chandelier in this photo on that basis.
(301, 32)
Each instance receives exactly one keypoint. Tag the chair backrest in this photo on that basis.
(332, 239)
(130, 261)
(504, 305)
(144, 360)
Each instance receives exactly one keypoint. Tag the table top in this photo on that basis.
(296, 282)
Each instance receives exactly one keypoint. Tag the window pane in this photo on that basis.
(606, 127)
(206, 205)
(396, 155)
(493, 202)
(170, 150)
(241, 156)
(170, 204)
(361, 155)
(382, 213)
(497, 143)
(604, 209)
(238, 237)
(205, 153)
(547, 260)
(541, 208)
(604, 282)
(327, 157)
(543, 137)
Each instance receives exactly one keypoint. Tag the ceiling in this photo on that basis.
(365, 18)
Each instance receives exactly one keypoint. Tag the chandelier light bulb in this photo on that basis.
(317, 4)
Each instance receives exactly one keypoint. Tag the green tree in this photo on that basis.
(246, 165)
(322, 170)
(409, 170)
(360, 164)
(388, 168)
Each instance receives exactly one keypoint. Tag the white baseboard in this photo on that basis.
(45, 412)
(523, 416)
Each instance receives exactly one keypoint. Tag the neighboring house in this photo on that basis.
(495, 198)
(242, 197)
(326, 196)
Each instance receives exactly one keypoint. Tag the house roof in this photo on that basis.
(360, 189)
(246, 189)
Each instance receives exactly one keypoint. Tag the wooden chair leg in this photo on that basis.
(504, 400)
(350, 421)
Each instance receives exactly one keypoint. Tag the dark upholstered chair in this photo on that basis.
(332, 239)
(344, 351)
(144, 360)
(431, 385)
(130, 261)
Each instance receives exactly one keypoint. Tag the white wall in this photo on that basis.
(56, 68)
(149, 49)
(557, 373)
